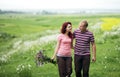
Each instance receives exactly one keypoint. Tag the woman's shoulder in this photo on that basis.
(60, 35)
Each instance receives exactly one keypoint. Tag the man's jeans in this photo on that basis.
(82, 62)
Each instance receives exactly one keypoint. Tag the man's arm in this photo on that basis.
(93, 51)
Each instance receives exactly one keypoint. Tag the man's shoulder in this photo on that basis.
(89, 32)
(76, 30)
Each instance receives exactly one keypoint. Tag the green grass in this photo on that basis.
(32, 27)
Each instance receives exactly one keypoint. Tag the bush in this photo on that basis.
(24, 70)
(6, 36)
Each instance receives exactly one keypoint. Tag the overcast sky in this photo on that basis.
(58, 4)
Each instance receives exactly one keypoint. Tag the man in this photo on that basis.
(83, 38)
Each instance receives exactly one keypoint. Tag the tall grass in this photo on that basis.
(30, 29)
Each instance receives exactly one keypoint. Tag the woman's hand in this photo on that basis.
(73, 47)
(53, 58)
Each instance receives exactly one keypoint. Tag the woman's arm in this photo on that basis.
(72, 43)
(56, 49)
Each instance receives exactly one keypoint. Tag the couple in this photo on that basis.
(82, 38)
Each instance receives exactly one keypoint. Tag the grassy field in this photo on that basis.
(22, 36)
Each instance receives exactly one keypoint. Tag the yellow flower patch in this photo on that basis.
(109, 23)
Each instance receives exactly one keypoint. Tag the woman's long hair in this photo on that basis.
(63, 29)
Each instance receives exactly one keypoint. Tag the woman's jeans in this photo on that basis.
(64, 66)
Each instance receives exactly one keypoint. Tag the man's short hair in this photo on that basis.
(85, 22)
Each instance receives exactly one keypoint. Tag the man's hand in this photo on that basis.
(93, 59)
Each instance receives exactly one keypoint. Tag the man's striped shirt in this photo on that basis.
(82, 42)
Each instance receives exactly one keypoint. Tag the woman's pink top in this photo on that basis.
(65, 46)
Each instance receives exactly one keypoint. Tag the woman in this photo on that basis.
(63, 50)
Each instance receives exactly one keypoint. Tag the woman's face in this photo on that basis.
(69, 28)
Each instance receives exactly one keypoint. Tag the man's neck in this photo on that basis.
(83, 31)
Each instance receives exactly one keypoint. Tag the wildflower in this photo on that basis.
(109, 23)
(29, 65)
(24, 70)
(4, 59)
(105, 57)
(40, 59)
(105, 67)
(117, 59)
(23, 66)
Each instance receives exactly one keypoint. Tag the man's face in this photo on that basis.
(82, 26)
